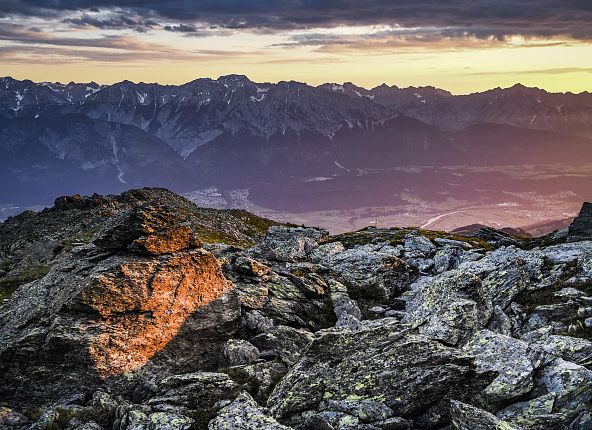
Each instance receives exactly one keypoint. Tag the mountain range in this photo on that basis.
(293, 146)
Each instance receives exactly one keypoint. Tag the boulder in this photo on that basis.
(10, 419)
(581, 227)
(571, 383)
(169, 421)
(346, 310)
(237, 352)
(147, 229)
(383, 368)
(449, 307)
(99, 319)
(418, 246)
(287, 343)
(536, 413)
(326, 250)
(508, 357)
(506, 272)
(371, 272)
(250, 267)
(259, 378)
(244, 414)
(296, 298)
(467, 417)
(290, 244)
(573, 349)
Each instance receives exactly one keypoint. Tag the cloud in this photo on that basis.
(550, 71)
(27, 45)
(182, 28)
(388, 40)
(117, 21)
(483, 19)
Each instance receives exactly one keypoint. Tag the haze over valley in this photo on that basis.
(334, 155)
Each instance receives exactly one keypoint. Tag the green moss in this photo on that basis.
(473, 241)
(213, 236)
(61, 419)
(85, 236)
(102, 416)
(9, 283)
(33, 414)
(259, 224)
(5, 266)
(396, 236)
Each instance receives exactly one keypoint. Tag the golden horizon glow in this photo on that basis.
(365, 55)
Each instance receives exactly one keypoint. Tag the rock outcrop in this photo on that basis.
(109, 308)
(170, 317)
(581, 227)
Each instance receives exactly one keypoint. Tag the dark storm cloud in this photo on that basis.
(117, 21)
(182, 28)
(480, 18)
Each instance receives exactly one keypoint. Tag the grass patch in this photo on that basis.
(258, 224)
(213, 236)
(396, 236)
(33, 414)
(61, 420)
(473, 241)
(9, 284)
(85, 237)
(367, 236)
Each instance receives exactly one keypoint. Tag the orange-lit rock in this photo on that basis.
(142, 304)
(171, 240)
(97, 319)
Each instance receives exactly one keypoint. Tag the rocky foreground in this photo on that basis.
(142, 311)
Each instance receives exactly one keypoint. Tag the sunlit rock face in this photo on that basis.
(108, 311)
(143, 304)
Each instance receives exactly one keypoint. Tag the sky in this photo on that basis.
(459, 45)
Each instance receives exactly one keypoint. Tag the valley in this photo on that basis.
(439, 198)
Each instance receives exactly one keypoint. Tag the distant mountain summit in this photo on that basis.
(193, 114)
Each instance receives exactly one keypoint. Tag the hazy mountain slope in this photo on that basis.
(73, 153)
(518, 106)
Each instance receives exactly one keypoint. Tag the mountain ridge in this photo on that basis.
(237, 75)
(195, 113)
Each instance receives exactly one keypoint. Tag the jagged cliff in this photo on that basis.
(142, 311)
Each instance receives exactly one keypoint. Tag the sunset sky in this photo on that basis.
(459, 45)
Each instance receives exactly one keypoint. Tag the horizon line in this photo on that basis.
(517, 84)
